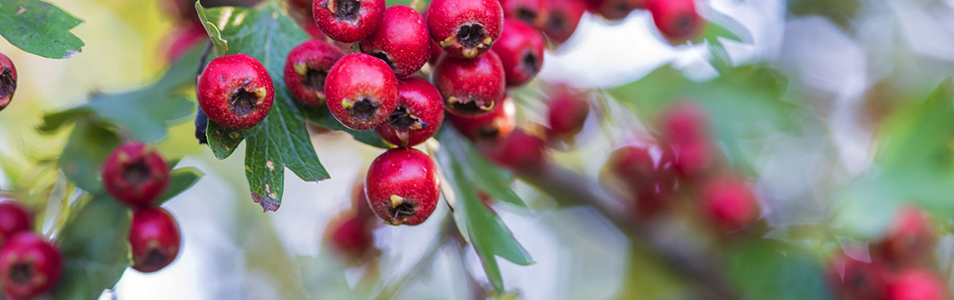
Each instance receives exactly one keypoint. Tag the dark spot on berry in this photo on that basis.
(315, 79)
(7, 84)
(155, 258)
(683, 24)
(402, 211)
(471, 35)
(556, 21)
(401, 118)
(243, 102)
(364, 109)
(531, 63)
(21, 273)
(383, 56)
(347, 9)
(526, 15)
(136, 173)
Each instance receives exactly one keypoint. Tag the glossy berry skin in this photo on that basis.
(465, 28)
(563, 19)
(567, 113)
(850, 279)
(361, 91)
(916, 284)
(306, 69)
(29, 266)
(350, 236)
(13, 219)
(8, 80)
(685, 124)
(235, 91)
(135, 174)
(153, 239)
(677, 20)
(520, 151)
(348, 21)
(418, 115)
(520, 49)
(470, 86)
(532, 12)
(910, 239)
(645, 170)
(401, 40)
(728, 203)
(403, 187)
(494, 125)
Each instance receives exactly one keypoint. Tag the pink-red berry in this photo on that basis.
(677, 20)
(520, 49)
(567, 113)
(154, 239)
(361, 91)
(435, 52)
(615, 10)
(910, 239)
(29, 266)
(850, 279)
(494, 125)
(645, 170)
(470, 86)
(348, 21)
(307, 67)
(916, 284)
(8, 80)
(13, 219)
(418, 116)
(135, 174)
(235, 91)
(351, 237)
(465, 28)
(532, 12)
(563, 19)
(401, 40)
(685, 125)
(403, 187)
(729, 204)
(521, 151)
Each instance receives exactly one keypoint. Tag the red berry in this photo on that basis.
(685, 126)
(850, 279)
(235, 91)
(563, 19)
(645, 169)
(520, 151)
(532, 12)
(916, 284)
(520, 49)
(465, 28)
(470, 87)
(401, 40)
(307, 67)
(729, 204)
(350, 236)
(348, 21)
(418, 116)
(910, 238)
(13, 219)
(135, 174)
(153, 239)
(494, 125)
(361, 90)
(8, 80)
(403, 187)
(567, 113)
(677, 20)
(435, 53)
(615, 10)
(29, 266)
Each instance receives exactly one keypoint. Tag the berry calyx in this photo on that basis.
(235, 91)
(348, 21)
(401, 40)
(677, 20)
(135, 174)
(465, 28)
(418, 115)
(532, 12)
(153, 239)
(29, 266)
(852, 279)
(910, 238)
(8, 80)
(306, 69)
(563, 19)
(520, 49)
(567, 113)
(13, 219)
(403, 187)
(916, 284)
(729, 204)
(350, 236)
(361, 91)
(685, 125)
(521, 151)
(494, 125)
(470, 86)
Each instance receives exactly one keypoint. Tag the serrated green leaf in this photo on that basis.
(221, 46)
(767, 269)
(39, 28)
(181, 179)
(88, 146)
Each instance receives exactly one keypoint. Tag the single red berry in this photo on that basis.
(567, 113)
(563, 19)
(532, 12)
(645, 169)
(8, 80)
(348, 21)
(850, 279)
(520, 151)
(910, 238)
(350, 236)
(677, 20)
(465, 28)
(235, 91)
(13, 219)
(307, 67)
(470, 87)
(401, 40)
(418, 116)
(435, 53)
(300, 11)
(685, 126)
(361, 91)
(615, 10)
(520, 49)
(729, 204)
(135, 174)
(494, 125)
(153, 239)
(29, 266)
(916, 284)
(403, 187)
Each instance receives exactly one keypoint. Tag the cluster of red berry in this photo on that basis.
(899, 264)
(136, 175)
(29, 264)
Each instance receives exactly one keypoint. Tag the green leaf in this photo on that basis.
(767, 269)
(221, 46)
(39, 28)
(486, 177)
(321, 116)
(88, 146)
(181, 180)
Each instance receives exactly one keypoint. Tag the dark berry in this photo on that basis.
(851, 279)
(235, 91)
(729, 204)
(418, 116)
(13, 219)
(403, 187)
(910, 239)
(685, 126)
(8, 80)
(520, 49)
(677, 20)
(567, 113)
(916, 284)
(153, 239)
(465, 28)
(401, 40)
(645, 171)
(361, 91)
(470, 86)
(532, 12)
(348, 21)
(520, 151)
(494, 125)
(563, 19)
(307, 67)
(351, 237)
(29, 266)
(135, 174)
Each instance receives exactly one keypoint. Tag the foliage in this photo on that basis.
(39, 28)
